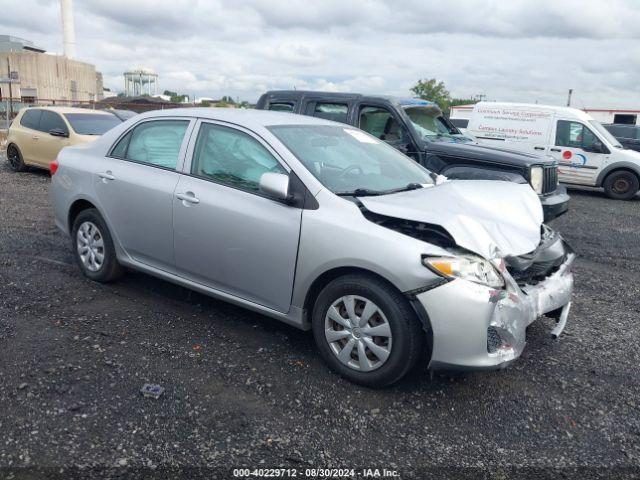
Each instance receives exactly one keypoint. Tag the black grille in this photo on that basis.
(494, 342)
(549, 179)
(537, 272)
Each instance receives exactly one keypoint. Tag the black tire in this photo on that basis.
(110, 269)
(14, 157)
(621, 185)
(408, 338)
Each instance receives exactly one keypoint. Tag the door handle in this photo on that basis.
(538, 148)
(35, 137)
(188, 197)
(555, 150)
(106, 175)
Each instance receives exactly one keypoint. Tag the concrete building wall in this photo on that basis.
(52, 77)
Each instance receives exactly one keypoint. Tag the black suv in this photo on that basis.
(627, 135)
(418, 129)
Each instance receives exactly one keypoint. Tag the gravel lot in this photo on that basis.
(242, 390)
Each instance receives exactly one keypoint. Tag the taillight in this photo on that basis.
(53, 167)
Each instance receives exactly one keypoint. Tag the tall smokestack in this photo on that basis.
(68, 28)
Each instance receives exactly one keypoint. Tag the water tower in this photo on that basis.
(140, 81)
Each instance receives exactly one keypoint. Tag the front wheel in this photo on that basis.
(366, 331)
(93, 247)
(15, 159)
(621, 185)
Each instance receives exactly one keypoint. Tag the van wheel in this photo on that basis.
(366, 331)
(621, 185)
(93, 247)
(15, 159)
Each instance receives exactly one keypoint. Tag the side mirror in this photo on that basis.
(58, 132)
(275, 185)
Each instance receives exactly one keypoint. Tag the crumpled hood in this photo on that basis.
(490, 218)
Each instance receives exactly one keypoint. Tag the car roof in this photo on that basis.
(69, 110)
(241, 116)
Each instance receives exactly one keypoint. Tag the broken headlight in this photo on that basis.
(468, 267)
(536, 179)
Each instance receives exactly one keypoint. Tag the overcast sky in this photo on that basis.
(515, 50)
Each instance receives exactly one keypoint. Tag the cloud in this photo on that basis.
(521, 50)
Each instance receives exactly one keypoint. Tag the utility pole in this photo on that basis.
(569, 97)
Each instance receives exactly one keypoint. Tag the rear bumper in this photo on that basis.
(478, 328)
(555, 203)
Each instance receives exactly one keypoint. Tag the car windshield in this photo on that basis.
(430, 124)
(91, 123)
(606, 134)
(350, 161)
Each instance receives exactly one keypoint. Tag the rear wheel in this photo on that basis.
(93, 247)
(366, 331)
(621, 185)
(15, 159)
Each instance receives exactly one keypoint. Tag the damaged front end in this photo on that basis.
(478, 327)
(502, 270)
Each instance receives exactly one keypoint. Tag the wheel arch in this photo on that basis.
(328, 276)
(13, 144)
(76, 207)
(617, 167)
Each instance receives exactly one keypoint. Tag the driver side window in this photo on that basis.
(380, 123)
(575, 135)
(231, 157)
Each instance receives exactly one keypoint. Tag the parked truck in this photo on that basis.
(419, 129)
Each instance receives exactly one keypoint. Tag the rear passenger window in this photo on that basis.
(281, 107)
(156, 143)
(231, 157)
(336, 112)
(31, 119)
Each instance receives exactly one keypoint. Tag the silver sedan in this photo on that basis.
(322, 226)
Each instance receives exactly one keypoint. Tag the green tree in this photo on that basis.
(433, 91)
(169, 93)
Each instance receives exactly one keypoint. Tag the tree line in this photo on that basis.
(435, 91)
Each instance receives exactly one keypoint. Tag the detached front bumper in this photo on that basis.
(478, 328)
(555, 203)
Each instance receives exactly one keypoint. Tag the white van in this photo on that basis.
(586, 152)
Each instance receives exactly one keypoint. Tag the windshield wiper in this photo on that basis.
(365, 192)
(406, 188)
(361, 192)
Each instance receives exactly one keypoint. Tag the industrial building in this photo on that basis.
(43, 77)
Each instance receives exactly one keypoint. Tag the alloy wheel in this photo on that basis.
(90, 246)
(14, 157)
(358, 333)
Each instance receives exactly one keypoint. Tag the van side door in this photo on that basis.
(580, 153)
